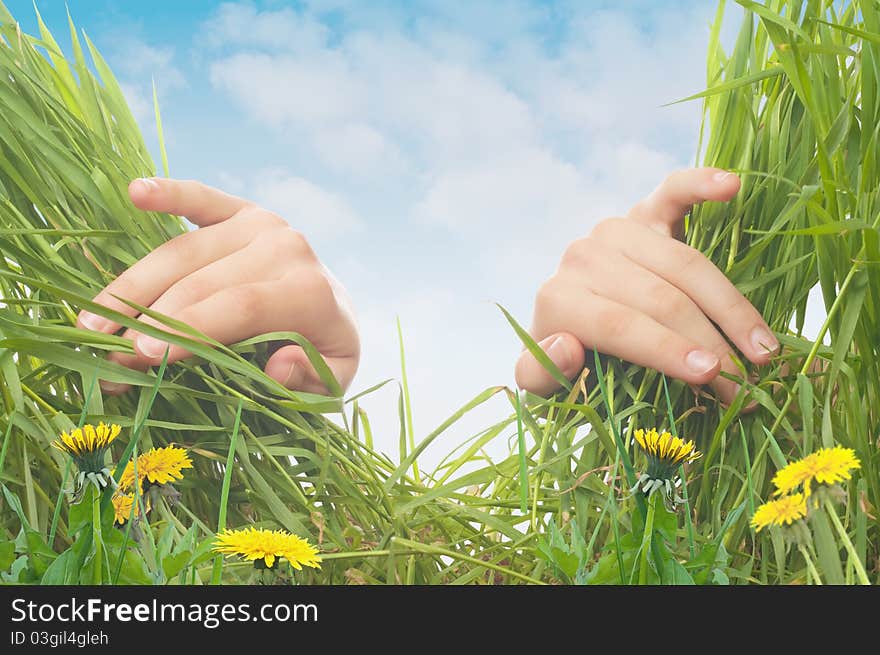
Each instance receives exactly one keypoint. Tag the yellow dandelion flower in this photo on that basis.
(87, 440)
(782, 511)
(87, 447)
(834, 465)
(665, 454)
(259, 545)
(792, 476)
(156, 466)
(826, 466)
(122, 507)
(665, 449)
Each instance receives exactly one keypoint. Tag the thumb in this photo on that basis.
(664, 208)
(200, 203)
(291, 367)
(563, 349)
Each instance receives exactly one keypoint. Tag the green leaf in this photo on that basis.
(7, 554)
(172, 564)
(826, 547)
(532, 346)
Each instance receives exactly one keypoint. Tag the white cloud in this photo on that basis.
(137, 65)
(352, 148)
(513, 190)
(240, 24)
(496, 132)
(139, 62)
(307, 207)
(285, 90)
(140, 105)
(486, 135)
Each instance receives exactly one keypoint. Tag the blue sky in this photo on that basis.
(439, 155)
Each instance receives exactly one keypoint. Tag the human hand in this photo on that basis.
(632, 290)
(243, 273)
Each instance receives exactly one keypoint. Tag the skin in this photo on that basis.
(632, 289)
(243, 273)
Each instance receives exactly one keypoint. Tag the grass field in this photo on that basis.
(793, 108)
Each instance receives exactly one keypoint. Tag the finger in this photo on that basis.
(665, 207)
(693, 273)
(200, 203)
(123, 359)
(291, 367)
(242, 267)
(620, 331)
(146, 280)
(301, 302)
(199, 287)
(653, 296)
(563, 349)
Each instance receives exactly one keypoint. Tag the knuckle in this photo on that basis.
(578, 253)
(549, 297)
(283, 244)
(739, 304)
(247, 300)
(295, 241)
(178, 247)
(692, 259)
(642, 207)
(314, 284)
(612, 318)
(267, 220)
(190, 290)
(670, 303)
(609, 228)
(292, 242)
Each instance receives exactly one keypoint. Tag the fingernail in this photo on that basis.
(558, 353)
(763, 341)
(720, 177)
(146, 184)
(151, 347)
(92, 321)
(700, 361)
(112, 387)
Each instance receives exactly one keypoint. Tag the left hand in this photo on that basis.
(243, 273)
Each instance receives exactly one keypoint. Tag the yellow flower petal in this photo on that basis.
(825, 466)
(87, 440)
(258, 544)
(782, 511)
(157, 466)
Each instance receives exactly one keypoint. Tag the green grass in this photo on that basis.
(793, 108)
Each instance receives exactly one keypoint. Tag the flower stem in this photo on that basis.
(810, 566)
(848, 544)
(97, 538)
(647, 537)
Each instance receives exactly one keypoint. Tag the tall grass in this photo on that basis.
(793, 109)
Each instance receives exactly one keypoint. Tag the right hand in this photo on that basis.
(632, 290)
